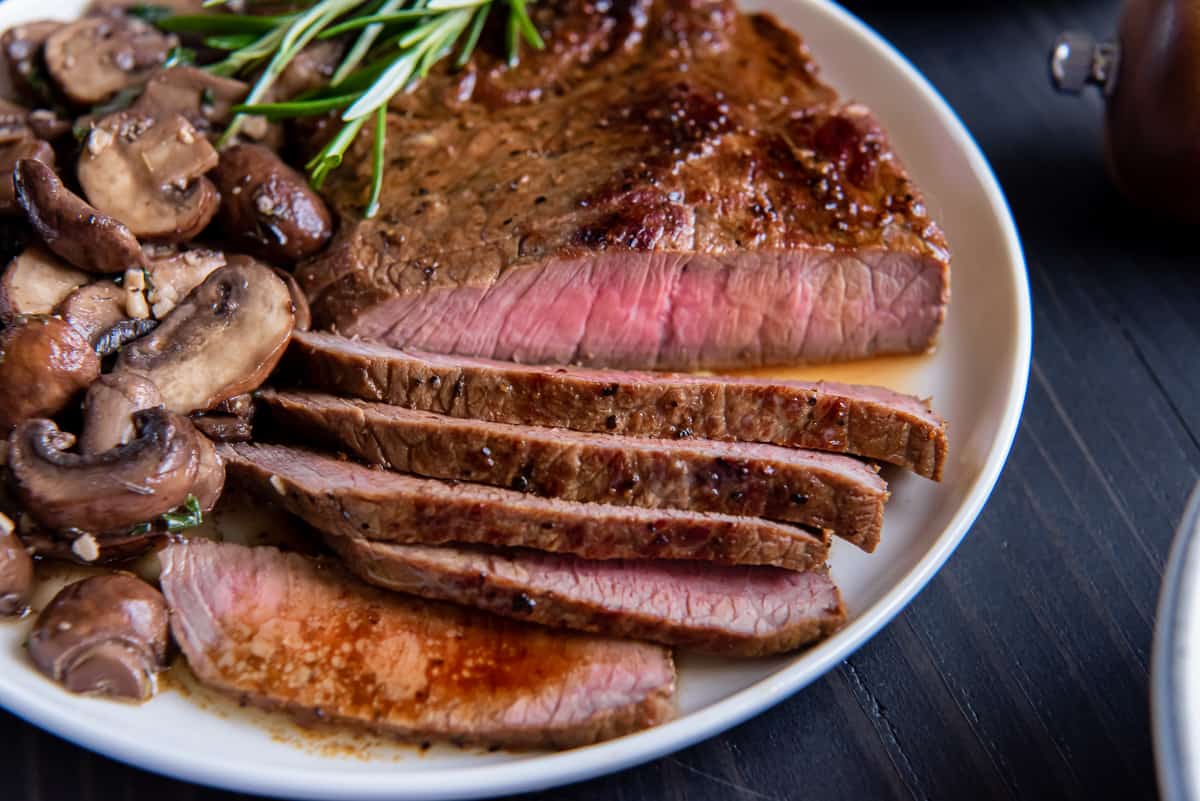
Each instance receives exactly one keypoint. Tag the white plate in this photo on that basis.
(1175, 668)
(978, 381)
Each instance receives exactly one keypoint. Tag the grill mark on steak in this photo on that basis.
(871, 422)
(740, 174)
(750, 479)
(281, 631)
(735, 611)
(349, 499)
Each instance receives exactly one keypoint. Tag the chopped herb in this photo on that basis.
(180, 56)
(189, 515)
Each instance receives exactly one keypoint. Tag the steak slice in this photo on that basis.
(281, 631)
(822, 490)
(866, 421)
(668, 186)
(741, 611)
(345, 498)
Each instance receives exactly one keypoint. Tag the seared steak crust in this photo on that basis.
(349, 499)
(866, 421)
(281, 631)
(736, 611)
(822, 490)
(669, 185)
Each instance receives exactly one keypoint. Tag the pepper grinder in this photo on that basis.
(1150, 79)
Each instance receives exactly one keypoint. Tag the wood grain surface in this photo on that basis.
(1021, 671)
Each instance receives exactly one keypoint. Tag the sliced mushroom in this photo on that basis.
(117, 489)
(106, 635)
(93, 309)
(299, 300)
(223, 339)
(11, 153)
(16, 572)
(95, 57)
(21, 47)
(109, 408)
(18, 122)
(35, 282)
(82, 235)
(204, 99)
(148, 171)
(267, 207)
(44, 365)
(173, 277)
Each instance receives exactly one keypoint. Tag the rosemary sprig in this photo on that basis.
(397, 43)
(189, 515)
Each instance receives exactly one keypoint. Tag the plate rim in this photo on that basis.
(553, 770)
(1181, 583)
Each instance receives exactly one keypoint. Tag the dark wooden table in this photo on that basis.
(1022, 670)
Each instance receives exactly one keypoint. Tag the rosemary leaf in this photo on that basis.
(377, 161)
(330, 157)
(528, 29)
(468, 48)
(362, 45)
(295, 108)
(219, 23)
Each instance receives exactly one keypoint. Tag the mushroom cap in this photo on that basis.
(267, 207)
(84, 236)
(222, 340)
(93, 58)
(106, 634)
(44, 365)
(113, 491)
(147, 170)
(16, 575)
(299, 299)
(35, 282)
(25, 147)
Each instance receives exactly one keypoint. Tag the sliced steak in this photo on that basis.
(669, 186)
(822, 490)
(872, 422)
(345, 498)
(281, 631)
(742, 611)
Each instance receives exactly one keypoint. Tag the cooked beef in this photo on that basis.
(346, 498)
(866, 421)
(281, 631)
(822, 490)
(669, 186)
(743, 611)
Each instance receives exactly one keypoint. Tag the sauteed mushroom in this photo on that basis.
(21, 47)
(95, 57)
(35, 282)
(105, 634)
(119, 488)
(82, 235)
(147, 170)
(16, 571)
(25, 147)
(94, 309)
(223, 339)
(44, 365)
(109, 407)
(202, 98)
(173, 277)
(268, 207)
(299, 300)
